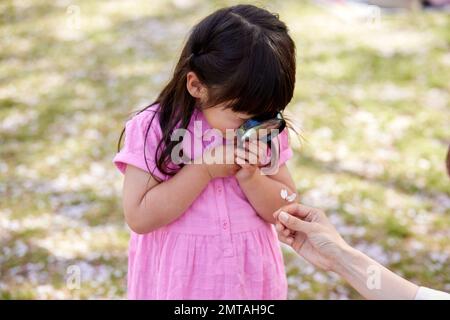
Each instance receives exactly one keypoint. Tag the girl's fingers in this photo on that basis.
(245, 156)
(256, 148)
(262, 149)
(286, 232)
(239, 152)
(242, 163)
(240, 157)
(256, 152)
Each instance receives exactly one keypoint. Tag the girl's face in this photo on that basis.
(222, 118)
(219, 117)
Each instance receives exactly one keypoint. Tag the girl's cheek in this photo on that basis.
(234, 124)
(229, 124)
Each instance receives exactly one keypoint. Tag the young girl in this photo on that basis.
(204, 231)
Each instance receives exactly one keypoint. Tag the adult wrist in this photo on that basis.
(346, 259)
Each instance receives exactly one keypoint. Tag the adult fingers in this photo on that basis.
(294, 223)
(286, 240)
(304, 212)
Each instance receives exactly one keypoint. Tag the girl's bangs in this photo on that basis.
(260, 86)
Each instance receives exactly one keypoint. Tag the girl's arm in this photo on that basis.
(149, 205)
(263, 191)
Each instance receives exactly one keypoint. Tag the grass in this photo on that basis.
(372, 102)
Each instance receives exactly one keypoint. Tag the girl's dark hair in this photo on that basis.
(242, 54)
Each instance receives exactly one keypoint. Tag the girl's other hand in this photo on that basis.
(220, 162)
(253, 153)
(253, 156)
(222, 170)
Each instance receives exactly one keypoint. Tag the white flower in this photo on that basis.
(289, 198)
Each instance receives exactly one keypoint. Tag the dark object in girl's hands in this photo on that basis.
(265, 129)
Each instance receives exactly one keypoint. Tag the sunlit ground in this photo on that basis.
(372, 99)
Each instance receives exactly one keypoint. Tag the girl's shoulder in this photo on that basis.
(141, 138)
(149, 110)
(146, 120)
(146, 113)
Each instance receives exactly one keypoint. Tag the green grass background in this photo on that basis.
(371, 99)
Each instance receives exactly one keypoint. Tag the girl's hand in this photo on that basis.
(220, 162)
(250, 158)
(222, 170)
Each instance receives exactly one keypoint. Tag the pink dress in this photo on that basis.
(219, 248)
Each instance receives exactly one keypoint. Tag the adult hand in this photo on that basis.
(309, 232)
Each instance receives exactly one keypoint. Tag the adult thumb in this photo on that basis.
(294, 223)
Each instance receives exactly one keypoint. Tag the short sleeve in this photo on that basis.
(430, 294)
(132, 151)
(285, 150)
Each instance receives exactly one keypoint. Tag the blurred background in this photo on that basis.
(372, 100)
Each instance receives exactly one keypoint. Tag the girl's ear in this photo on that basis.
(195, 87)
